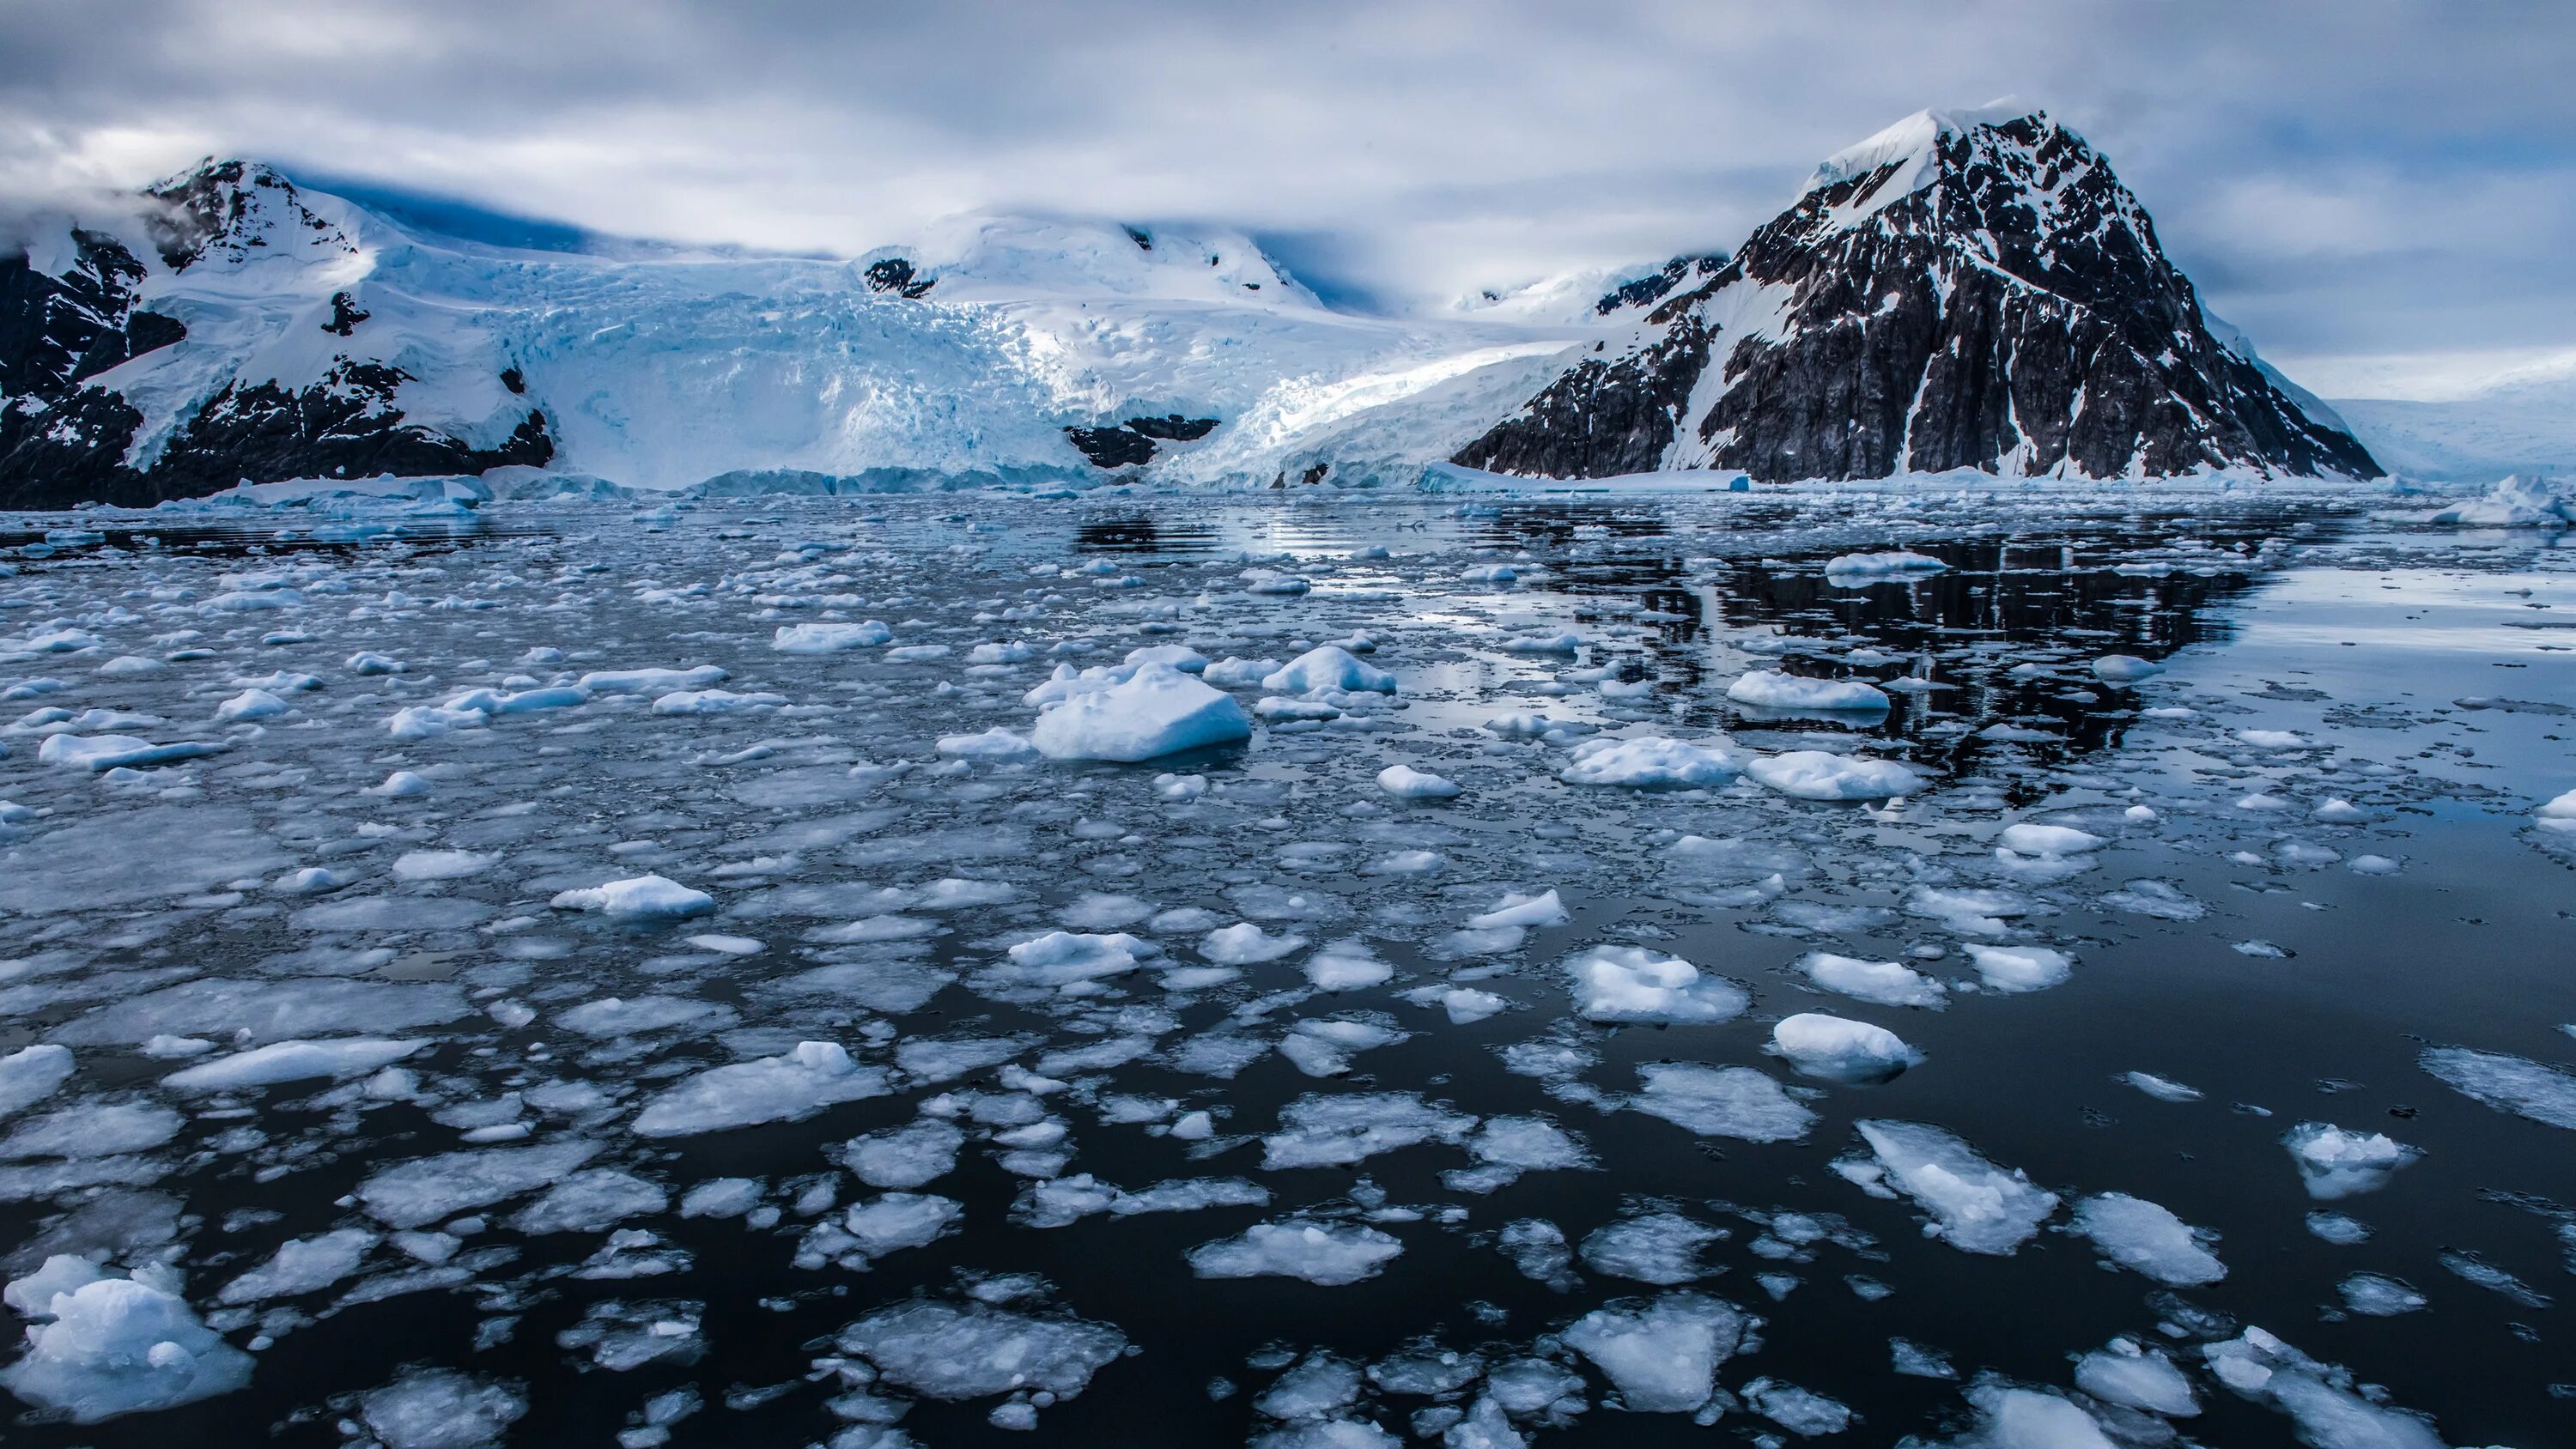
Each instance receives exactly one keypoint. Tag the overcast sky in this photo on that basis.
(2383, 194)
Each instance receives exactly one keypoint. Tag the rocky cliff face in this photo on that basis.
(1961, 291)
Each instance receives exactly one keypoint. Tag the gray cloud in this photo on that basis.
(2345, 180)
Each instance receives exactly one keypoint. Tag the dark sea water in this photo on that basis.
(2288, 961)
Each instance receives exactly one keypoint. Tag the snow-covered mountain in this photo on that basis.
(1963, 290)
(2520, 421)
(237, 326)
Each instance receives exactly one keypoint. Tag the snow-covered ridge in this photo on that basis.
(288, 333)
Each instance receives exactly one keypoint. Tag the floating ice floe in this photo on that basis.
(2335, 1163)
(1975, 1206)
(426, 1190)
(642, 898)
(2019, 968)
(1407, 783)
(714, 701)
(2124, 668)
(2163, 1089)
(31, 1074)
(1644, 762)
(1866, 566)
(1633, 984)
(974, 1350)
(106, 1346)
(786, 1088)
(1661, 1248)
(1888, 983)
(291, 1061)
(2320, 1398)
(1770, 689)
(1336, 1131)
(110, 752)
(1737, 1102)
(2374, 1295)
(1821, 775)
(441, 1409)
(1663, 1355)
(2507, 1083)
(1326, 1254)
(2515, 502)
(997, 744)
(2125, 1373)
(2149, 1239)
(1837, 1049)
(1157, 711)
(830, 638)
(1329, 667)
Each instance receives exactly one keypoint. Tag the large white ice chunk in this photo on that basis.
(291, 1061)
(1839, 1049)
(1651, 761)
(1157, 711)
(2335, 1163)
(643, 898)
(1317, 1252)
(2019, 968)
(1633, 984)
(1771, 689)
(1329, 667)
(830, 638)
(2124, 1373)
(117, 1346)
(1820, 775)
(1975, 1205)
(788, 1088)
(1662, 1356)
(1893, 562)
(2516, 502)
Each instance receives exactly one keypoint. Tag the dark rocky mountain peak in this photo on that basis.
(235, 210)
(1963, 290)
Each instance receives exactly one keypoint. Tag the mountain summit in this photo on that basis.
(1963, 290)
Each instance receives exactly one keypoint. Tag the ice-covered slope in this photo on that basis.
(1962, 290)
(2521, 422)
(239, 326)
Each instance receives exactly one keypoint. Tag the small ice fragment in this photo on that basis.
(1633, 984)
(2124, 668)
(1662, 1356)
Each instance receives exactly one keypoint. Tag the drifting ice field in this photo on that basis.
(1183, 972)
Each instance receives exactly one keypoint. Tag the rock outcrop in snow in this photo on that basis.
(1968, 290)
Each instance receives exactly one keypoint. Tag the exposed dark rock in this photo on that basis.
(345, 315)
(1112, 447)
(1172, 428)
(2012, 313)
(1600, 418)
(1648, 290)
(895, 274)
(1144, 241)
(514, 380)
(51, 326)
